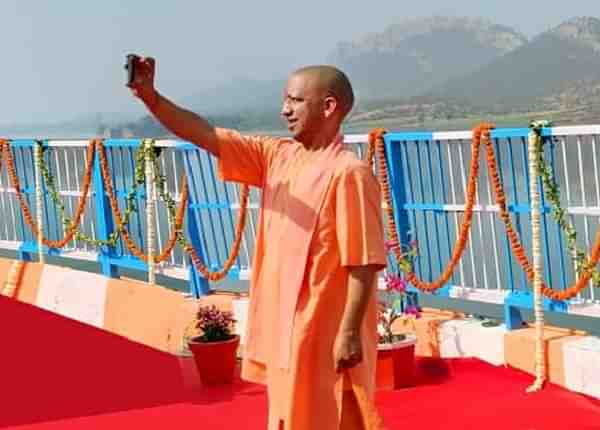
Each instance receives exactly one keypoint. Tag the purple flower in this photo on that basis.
(214, 323)
(395, 283)
(413, 310)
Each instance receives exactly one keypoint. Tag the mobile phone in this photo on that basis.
(130, 67)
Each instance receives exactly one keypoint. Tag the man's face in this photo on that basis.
(303, 106)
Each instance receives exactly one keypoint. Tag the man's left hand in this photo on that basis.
(347, 351)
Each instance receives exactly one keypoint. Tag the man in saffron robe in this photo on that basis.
(311, 335)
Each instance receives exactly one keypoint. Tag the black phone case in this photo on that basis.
(130, 67)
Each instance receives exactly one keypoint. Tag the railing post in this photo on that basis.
(104, 223)
(29, 247)
(394, 161)
(199, 285)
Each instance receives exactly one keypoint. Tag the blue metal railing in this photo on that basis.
(428, 174)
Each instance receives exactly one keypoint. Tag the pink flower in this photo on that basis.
(390, 245)
(395, 283)
(413, 310)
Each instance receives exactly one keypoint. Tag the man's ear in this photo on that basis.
(331, 105)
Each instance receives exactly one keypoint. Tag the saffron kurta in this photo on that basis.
(320, 214)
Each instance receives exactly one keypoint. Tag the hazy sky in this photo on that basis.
(64, 58)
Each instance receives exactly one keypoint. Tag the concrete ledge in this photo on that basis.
(582, 365)
(469, 338)
(520, 350)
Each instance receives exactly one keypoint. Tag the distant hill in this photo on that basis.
(566, 54)
(238, 95)
(436, 73)
(411, 57)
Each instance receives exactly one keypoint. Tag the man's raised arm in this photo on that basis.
(181, 122)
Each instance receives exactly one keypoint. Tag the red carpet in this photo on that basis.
(58, 374)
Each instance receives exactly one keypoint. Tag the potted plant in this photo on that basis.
(395, 357)
(215, 350)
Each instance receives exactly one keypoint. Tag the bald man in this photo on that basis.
(311, 335)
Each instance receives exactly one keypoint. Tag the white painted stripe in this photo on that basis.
(492, 295)
(78, 254)
(585, 309)
(73, 294)
(452, 135)
(169, 143)
(575, 210)
(62, 193)
(356, 138)
(574, 130)
(9, 244)
(250, 206)
(68, 143)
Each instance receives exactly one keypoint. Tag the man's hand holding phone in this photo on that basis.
(140, 78)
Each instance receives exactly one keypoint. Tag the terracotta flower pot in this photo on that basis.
(215, 360)
(396, 364)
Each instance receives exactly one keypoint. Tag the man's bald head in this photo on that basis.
(334, 82)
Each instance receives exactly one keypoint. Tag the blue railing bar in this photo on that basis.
(139, 218)
(140, 194)
(499, 133)
(397, 172)
(32, 248)
(118, 189)
(210, 219)
(48, 202)
(508, 251)
(434, 197)
(418, 136)
(105, 223)
(445, 199)
(422, 191)
(194, 194)
(504, 133)
(525, 161)
(231, 220)
(563, 272)
(23, 143)
(407, 171)
(19, 157)
(122, 143)
(212, 169)
(545, 237)
(511, 166)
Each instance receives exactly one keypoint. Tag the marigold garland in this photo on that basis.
(480, 133)
(71, 229)
(197, 261)
(177, 235)
(517, 247)
(121, 225)
(578, 256)
(376, 145)
(72, 226)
